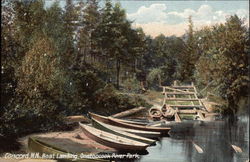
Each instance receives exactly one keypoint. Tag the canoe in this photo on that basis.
(119, 123)
(113, 130)
(38, 146)
(111, 140)
(147, 134)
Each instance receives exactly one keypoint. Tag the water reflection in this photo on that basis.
(219, 141)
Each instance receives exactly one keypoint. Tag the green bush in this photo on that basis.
(108, 102)
(131, 85)
(154, 77)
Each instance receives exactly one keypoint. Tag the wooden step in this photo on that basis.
(182, 99)
(190, 111)
(183, 87)
(178, 93)
(187, 111)
(188, 106)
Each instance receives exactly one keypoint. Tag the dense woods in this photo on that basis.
(67, 61)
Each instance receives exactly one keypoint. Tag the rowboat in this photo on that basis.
(155, 113)
(132, 122)
(38, 146)
(155, 123)
(147, 123)
(147, 134)
(122, 120)
(111, 140)
(114, 130)
(119, 123)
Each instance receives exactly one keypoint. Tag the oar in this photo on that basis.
(197, 147)
(237, 149)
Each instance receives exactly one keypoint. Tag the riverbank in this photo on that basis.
(75, 141)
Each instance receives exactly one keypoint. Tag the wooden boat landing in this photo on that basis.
(182, 100)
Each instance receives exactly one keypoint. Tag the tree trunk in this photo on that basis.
(159, 79)
(135, 66)
(117, 73)
(84, 54)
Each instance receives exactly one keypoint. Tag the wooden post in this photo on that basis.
(175, 83)
(201, 115)
(159, 79)
(177, 117)
(196, 95)
(165, 96)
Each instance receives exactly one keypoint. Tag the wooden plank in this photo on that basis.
(196, 95)
(165, 96)
(211, 114)
(129, 112)
(188, 106)
(175, 102)
(192, 111)
(74, 119)
(182, 99)
(174, 89)
(187, 111)
(180, 93)
(183, 87)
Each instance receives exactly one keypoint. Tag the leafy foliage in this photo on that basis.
(46, 75)
(67, 61)
(224, 59)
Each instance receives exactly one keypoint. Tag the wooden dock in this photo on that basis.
(182, 99)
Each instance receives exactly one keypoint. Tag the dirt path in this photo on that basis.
(73, 141)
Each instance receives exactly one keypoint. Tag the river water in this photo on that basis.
(194, 141)
(198, 141)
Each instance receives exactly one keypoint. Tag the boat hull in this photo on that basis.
(146, 134)
(112, 129)
(35, 145)
(113, 121)
(109, 143)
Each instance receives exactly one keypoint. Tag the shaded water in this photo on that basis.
(215, 139)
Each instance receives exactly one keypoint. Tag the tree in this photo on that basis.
(29, 20)
(189, 55)
(163, 56)
(9, 56)
(112, 32)
(90, 19)
(40, 75)
(225, 60)
(136, 47)
(54, 27)
(70, 20)
(21, 23)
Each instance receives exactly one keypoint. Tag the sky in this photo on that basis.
(171, 17)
